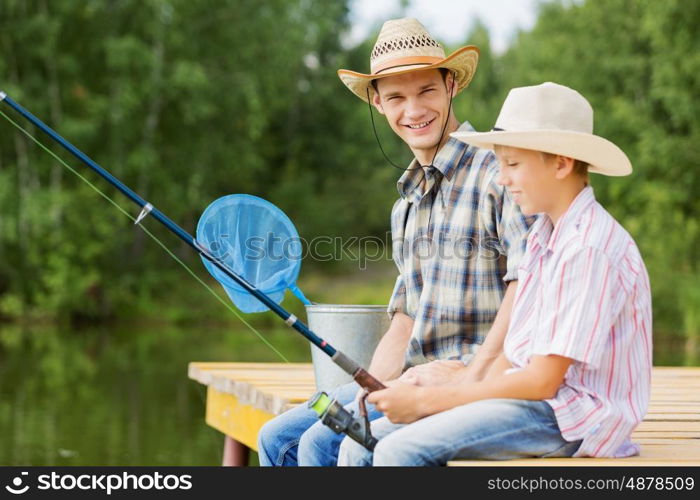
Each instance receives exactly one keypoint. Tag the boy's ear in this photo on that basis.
(564, 166)
(377, 102)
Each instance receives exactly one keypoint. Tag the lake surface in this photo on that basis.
(120, 395)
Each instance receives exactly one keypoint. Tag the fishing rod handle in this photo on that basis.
(359, 374)
(366, 380)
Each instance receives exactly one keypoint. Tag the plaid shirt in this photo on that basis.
(457, 239)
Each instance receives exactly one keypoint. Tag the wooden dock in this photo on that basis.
(241, 397)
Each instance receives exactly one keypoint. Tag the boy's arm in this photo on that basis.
(492, 347)
(498, 367)
(505, 223)
(539, 380)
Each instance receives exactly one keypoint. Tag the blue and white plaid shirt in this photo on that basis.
(457, 239)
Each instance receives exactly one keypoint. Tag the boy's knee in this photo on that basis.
(314, 440)
(392, 451)
(353, 454)
(318, 446)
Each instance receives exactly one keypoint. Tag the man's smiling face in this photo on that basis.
(416, 106)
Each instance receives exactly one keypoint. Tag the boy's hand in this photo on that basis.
(400, 402)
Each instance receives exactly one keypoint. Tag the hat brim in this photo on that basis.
(462, 61)
(603, 156)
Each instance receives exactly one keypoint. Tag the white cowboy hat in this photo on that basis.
(404, 45)
(554, 119)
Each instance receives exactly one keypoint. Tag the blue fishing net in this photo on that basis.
(258, 242)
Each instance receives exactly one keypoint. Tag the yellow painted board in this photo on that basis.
(241, 422)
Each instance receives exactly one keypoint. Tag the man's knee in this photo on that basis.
(267, 434)
(273, 445)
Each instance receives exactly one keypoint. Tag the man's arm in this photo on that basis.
(441, 372)
(388, 359)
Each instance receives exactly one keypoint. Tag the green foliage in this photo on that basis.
(637, 62)
(190, 100)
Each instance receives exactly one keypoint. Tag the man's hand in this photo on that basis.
(439, 372)
(400, 402)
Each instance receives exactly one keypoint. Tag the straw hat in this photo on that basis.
(404, 45)
(554, 119)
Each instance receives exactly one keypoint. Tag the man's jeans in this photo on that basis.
(298, 437)
(493, 429)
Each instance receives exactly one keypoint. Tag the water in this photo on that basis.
(121, 396)
(117, 395)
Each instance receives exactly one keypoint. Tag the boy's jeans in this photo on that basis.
(492, 429)
(298, 437)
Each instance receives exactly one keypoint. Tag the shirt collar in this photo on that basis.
(445, 162)
(547, 235)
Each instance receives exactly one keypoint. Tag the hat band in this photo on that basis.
(405, 61)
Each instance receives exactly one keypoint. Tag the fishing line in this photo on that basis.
(153, 237)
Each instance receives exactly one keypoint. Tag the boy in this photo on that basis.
(574, 376)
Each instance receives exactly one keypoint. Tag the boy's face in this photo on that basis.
(530, 179)
(416, 106)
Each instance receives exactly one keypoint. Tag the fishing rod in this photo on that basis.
(330, 411)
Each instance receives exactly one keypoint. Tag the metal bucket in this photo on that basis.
(354, 330)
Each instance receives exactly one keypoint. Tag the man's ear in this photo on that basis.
(377, 102)
(452, 82)
(564, 166)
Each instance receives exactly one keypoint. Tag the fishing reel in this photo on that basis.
(340, 420)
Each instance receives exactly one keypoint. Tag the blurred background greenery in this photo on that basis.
(186, 101)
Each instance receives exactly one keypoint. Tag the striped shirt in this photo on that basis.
(583, 293)
(457, 237)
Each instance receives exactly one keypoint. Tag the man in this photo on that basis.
(457, 238)
(574, 377)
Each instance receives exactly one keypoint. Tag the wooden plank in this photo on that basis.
(692, 426)
(667, 440)
(651, 455)
(673, 391)
(204, 371)
(241, 397)
(683, 370)
(671, 417)
(675, 406)
(665, 434)
(300, 377)
(217, 365)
